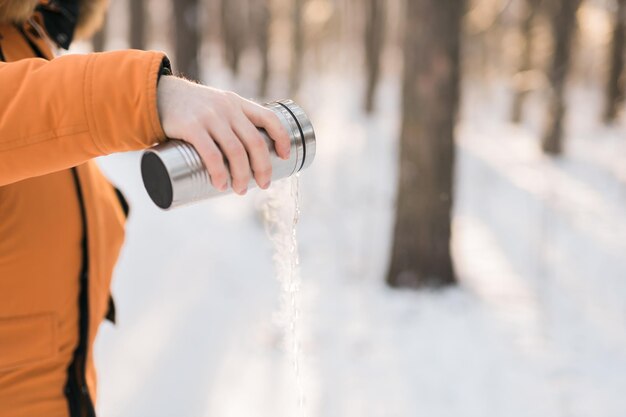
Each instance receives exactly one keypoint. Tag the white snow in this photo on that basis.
(537, 326)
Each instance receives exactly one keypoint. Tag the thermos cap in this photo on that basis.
(301, 128)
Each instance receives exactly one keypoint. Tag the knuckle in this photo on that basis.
(270, 117)
(273, 117)
(230, 100)
(218, 175)
(240, 183)
(235, 150)
(214, 158)
(264, 172)
(257, 143)
(241, 172)
(241, 178)
(232, 96)
(218, 179)
(211, 115)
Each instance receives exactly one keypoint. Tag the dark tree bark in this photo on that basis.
(262, 19)
(297, 39)
(187, 26)
(374, 41)
(421, 246)
(615, 84)
(526, 64)
(563, 26)
(233, 32)
(99, 40)
(137, 24)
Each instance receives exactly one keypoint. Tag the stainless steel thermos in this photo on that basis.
(174, 174)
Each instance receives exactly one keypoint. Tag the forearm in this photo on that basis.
(60, 113)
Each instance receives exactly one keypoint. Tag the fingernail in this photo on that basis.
(244, 191)
(266, 185)
(223, 187)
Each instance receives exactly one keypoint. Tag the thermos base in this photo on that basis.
(157, 180)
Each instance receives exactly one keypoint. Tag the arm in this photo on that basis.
(60, 113)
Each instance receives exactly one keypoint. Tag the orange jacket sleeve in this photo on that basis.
(60, 113)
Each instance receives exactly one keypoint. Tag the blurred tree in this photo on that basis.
(522, 85)
(297, 39)
(374, 41)
(137, 24)
(98, 41)
(421, 246)
(563, 25)
(187, 27)
(261, 15)
(297, 54)
(615, 83)
(233, 32)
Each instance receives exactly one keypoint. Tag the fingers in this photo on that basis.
(235, 152)
(221, 125)
(267, 119)
(211, 156)
(258, 153)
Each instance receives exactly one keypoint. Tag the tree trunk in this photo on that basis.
(297, 39)
(421, 246)
(526, 64)
(99, 39)
(615, 83)
(187, 26)
(137, 24)
(374, 41)
(563, 25)
(233, 32)
(262, 18)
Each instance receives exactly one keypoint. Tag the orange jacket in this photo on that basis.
(56, 114)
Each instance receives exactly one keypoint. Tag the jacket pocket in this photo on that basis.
(25, 340)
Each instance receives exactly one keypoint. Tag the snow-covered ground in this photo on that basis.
(537, 326)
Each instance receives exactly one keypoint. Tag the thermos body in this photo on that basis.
(174, 174)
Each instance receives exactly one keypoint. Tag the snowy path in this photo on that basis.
(537, 327)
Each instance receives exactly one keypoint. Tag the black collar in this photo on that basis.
(60, 18)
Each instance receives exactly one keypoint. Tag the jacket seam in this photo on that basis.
(47, 136)
(88, 104)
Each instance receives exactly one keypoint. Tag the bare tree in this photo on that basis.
(615, 83)
(297, 39)
(99, 40)
(262, 18)
(187, 25)
(137, 24)
(526, 64)
(374, 41)
(233, 32)
(421, 245)
(563, 26)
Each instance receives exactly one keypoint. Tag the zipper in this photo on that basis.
(2, 58)
(76, 390)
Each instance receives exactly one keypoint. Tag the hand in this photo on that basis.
(221, 125)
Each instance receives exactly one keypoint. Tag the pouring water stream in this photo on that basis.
(281, 214)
